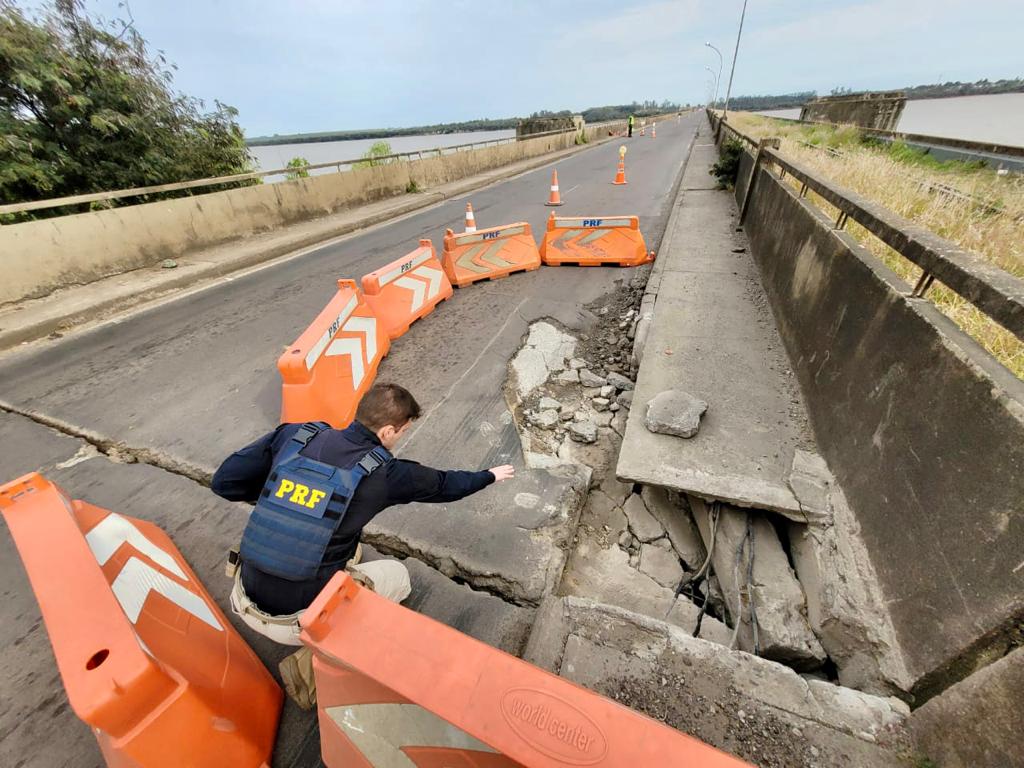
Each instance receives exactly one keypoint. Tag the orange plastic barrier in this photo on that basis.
(591, 242)
(488, 254)
(328, 370)
(406, 290)
(148, 660)
(397, 688)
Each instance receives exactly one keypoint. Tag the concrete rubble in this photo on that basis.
(782, 631)
(675, 412)
(844, 603)
(754, 708)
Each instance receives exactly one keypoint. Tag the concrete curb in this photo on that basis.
(43, 326)
(654, 281)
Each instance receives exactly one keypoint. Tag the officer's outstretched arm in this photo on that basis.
(409, 481)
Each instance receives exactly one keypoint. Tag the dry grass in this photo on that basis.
(974, 208)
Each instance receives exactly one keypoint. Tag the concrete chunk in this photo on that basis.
(844, 602)
(783, 633)
(675, 412)
(583, 431)
(661, 564)
(677, 522)
(811, 482)
(590, 379)
(620, 382)
(643, 524)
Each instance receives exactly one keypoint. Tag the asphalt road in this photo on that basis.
(193, 379)
(189, 380)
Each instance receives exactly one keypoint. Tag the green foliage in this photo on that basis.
(581, 138)
(728, 165)
(301, 165)
(85, 108)
(375, 154)
(904, 153)
(412, 187)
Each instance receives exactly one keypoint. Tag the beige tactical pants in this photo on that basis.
(388, 578)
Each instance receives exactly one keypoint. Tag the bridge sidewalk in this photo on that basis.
(67, 308)
(713, 335)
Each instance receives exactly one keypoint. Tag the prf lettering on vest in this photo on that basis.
(592, 222)
(299, 493)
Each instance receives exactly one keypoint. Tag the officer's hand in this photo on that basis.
(504, 472)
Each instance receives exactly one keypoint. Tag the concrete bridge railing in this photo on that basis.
(922, 427)
(40, 256)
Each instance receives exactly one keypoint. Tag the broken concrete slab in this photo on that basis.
(544, 353)
(603, 573)
(535, 515)
(811, 482)
(712, 334)
(783, 633)
(590, 379)
(845, 607)
(661, 563)
(641, 522)
(675, 412)
(677, 521)
(755, 708)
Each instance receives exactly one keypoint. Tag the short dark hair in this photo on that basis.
(387, 404)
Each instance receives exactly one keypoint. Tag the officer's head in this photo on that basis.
(387, 410)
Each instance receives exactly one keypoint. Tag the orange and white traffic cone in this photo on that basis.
(470, 221)
(620, 175)
(654, 130)
(554, 198)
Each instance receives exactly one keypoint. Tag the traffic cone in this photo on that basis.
(555, 198)
(620, 175)
(654, 130)
(470, 221)
(642, 131)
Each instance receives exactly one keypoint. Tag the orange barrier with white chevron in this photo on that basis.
(329, 368)
(397, 688)
(407, 289)
(148, 660)
(593, 241)
(488, 254)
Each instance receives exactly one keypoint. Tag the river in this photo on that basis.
(996, 118)
(278, 155)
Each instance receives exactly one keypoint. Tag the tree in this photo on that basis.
(85, 108)
(301, 166)
(374, 155)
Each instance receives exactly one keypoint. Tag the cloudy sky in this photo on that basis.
(292, 66)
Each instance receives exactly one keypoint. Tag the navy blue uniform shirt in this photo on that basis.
(242, 475)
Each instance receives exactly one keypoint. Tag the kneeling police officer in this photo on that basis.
(314, 489)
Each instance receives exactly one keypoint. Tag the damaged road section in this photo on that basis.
(751, 707)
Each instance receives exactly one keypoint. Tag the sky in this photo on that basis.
(292, 66)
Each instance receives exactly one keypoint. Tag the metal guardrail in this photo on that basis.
(58, 202)
(994, 291)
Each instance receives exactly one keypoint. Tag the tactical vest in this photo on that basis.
(300, 507)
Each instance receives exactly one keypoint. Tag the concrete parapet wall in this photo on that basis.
(868, 110)
(987, 706)
(40, 256)
(922, 427)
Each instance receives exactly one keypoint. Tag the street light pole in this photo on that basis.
(709, 69)
(736, 51)
(718, 77)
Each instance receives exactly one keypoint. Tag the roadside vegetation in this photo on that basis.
(966, 203)
(85, 107)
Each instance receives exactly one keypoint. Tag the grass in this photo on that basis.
(965, 203)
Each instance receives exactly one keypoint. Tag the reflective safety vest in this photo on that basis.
(630, 119)
(301, 506)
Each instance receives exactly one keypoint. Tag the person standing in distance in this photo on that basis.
(631, 126)
(314, 490)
